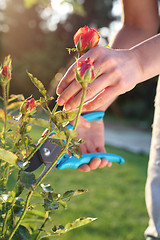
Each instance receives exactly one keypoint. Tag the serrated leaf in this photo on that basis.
(70, 226)
(18, 189)
(69, 194)
(22, 233)
(36, 213)
(49, 205)
(14, 97)
(18, 207)
(15, 105)
(62, 203)
(8, 156)
(64, 116)
(38, 84)
(27, 179)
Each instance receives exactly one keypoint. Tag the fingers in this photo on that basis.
(72, 89)
(93, 89)
(104, 98)
(71, 73)
(67, 79)
(94, 164)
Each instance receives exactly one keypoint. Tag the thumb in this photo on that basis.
(83, 123)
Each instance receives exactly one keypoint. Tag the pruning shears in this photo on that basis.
(49, 151)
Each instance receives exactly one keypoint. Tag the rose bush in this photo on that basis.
(21, 218)
(17, 148)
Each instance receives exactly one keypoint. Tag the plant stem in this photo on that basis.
(22, 216)
(4, 225)
(43, 224)
(84, 90)
(5, 111)
(55, 108)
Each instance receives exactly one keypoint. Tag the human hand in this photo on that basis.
(94, 137)
(119, 72)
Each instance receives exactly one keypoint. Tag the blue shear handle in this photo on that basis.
(74, 162)
(98, 115)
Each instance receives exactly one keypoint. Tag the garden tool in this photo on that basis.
(49, 151)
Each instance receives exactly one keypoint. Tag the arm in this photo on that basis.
(116, 66)
(119, 70)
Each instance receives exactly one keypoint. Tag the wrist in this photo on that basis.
(148, 57)
(137, 64)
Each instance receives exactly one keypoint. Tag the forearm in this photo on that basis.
(129, 36)
(126, 38)
(148, 56)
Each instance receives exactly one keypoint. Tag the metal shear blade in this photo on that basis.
(47, 154)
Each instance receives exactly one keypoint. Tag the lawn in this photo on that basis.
(115, 198)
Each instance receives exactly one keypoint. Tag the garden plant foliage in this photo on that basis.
(30, 202)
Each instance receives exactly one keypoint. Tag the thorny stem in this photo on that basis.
(84, 90)
(5, 111)
(52, 165)
(5, 222)
(43, 224)
(55, 108)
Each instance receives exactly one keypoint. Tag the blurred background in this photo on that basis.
(36, 34)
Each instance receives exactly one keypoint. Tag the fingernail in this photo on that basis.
(67, 107)
(60, 101)
(59, 90)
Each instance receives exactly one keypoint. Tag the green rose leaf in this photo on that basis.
(22, 234)
(64, 116)
(8, 156)
(38, 84)
(35, 213)
(18, 189)
(18, 207)
(49, 205)
(14, 105)
(69, 194)
(62, 203)
(70, 226)
(27, 179)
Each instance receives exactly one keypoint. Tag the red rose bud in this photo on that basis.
(6, 72)
(86, 38)
(84, 71)
(29, 105)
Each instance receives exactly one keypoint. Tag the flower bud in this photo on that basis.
(86, 38)
(84, 71)
(5, 73)
(28, 106)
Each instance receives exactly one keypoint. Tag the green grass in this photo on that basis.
(115, 198)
